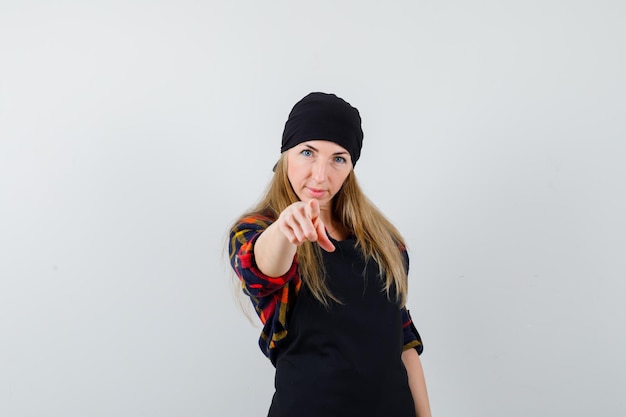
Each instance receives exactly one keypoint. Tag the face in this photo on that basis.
(317, 169)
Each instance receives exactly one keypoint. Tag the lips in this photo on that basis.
(315, 192)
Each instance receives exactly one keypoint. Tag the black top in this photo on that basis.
(344, 360)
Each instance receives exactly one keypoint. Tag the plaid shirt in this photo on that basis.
(273, 298)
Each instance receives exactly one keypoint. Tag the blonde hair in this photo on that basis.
(376, 236)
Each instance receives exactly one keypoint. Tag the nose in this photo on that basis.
(319, 170)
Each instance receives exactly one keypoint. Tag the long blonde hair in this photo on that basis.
(375, 235)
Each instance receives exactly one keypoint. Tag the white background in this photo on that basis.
(133, 133)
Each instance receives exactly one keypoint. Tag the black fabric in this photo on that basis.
(324, 116)
(344, 361)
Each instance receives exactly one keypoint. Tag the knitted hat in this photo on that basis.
(321, 116)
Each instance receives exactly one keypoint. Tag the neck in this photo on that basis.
(326, 217)
(335, 230)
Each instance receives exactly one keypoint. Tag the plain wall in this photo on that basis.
(133, 133)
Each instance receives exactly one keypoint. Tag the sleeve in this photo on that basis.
(241, 253)
(412, 338)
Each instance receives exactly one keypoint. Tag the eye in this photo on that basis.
(340, 159)
(306, 152)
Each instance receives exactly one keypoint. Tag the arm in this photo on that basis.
(417, 382)
(256, 284)
(269, 295)
(276, 246)
(413, 347)
(274, 252)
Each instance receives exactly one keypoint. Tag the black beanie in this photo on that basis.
(321, 116)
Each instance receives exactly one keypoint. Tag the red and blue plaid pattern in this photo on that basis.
(272, 297)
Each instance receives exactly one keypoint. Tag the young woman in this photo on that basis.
(327, 274)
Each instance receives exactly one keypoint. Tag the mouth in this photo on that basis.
(315, 192)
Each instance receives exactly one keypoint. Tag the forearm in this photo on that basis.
(417, 382)
(273, 252)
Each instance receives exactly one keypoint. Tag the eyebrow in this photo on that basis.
(314, 149)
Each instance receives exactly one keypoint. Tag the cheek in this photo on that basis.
(292, 174)
(340, 180)
(297, 169)
(295, 176)
(290, 167)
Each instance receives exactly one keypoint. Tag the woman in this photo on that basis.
(327, 274)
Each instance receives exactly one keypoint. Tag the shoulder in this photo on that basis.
(253, 221)
(405, 255)
(245, 230)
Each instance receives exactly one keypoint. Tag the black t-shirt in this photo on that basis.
(344, 360)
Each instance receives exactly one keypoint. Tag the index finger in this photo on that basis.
(322, 237)
(313, 209)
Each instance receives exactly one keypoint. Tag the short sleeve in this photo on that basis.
(412, 338)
